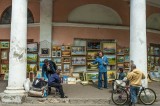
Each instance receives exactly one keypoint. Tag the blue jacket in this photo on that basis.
(102, 63)
(54, 78)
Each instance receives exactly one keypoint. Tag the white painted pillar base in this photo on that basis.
(18, 53)
(138, 45)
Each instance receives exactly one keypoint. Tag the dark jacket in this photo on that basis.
(52, 70)
(54, 78)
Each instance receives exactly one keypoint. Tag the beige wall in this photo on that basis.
(61, 10)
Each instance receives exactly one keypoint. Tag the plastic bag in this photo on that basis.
(27, 85)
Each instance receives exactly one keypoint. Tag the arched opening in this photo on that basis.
(153, 21)
(95, 13)
(6, 16)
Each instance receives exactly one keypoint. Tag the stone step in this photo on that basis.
(93, 101)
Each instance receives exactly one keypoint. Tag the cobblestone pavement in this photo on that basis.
(79, 95)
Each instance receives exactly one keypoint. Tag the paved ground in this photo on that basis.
(79, 95)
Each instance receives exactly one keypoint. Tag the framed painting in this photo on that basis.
(44, 51)
(66, 59)
(58, 54)
(4, 54)
(126, 58)
(4, 68)
(91, 55)
(111, 74)
(57, 60)
(41, 61)
(66, 68)
(66, 53)
(93, 67)
(126, 65)
(4, 44)
(126, 51)
(91, 76)
(32, 57)
(59, 67)
(78, 60)
(54, 53)
(93, 45)
(56, 48)
(109, 47)
(32, 67)
(120, 59)
(66, 48)
(78, 50)
(120, 51)
(111, 59)
(32, 47)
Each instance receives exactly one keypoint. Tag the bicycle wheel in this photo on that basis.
(147, 96)
(119, 96)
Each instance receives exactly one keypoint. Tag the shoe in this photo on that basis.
(106, 87)
(64, 97)
(100, 88)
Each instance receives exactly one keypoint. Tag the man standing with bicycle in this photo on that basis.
(135, 77)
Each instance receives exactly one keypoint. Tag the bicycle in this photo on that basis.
(121, 95)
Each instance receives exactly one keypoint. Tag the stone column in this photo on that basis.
(46, 24)
(138, 45)
(18, 53)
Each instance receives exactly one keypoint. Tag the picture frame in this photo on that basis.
(66, 53)
(92, 67)
(4, 68)
(111, 59)
(32, 57)
(126, 50)
(4, 44)
(45, 51)
(54, 53)
(56, 48)
(58, 54)
(41, 61)
(66, 68)
(32, 67)
(93, 45)
(111, 74)
(120, 59)
(66, 59)
(92, 55)
(78, 50)
(57, 60)
(4, 54)
(78, 60)
(109, 47)
(59, 67)
(66, 48)
(91, 76)
(126, 58)
(32, 47)
(120, 51)
(126, 65)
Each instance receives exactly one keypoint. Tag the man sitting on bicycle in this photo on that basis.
(135, 77)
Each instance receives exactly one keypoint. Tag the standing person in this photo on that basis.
(102, 66)
(55, 81)
(48, 68)
(135, 77)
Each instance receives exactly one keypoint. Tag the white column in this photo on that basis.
(138, 45)
(18, 48)
(46, 23)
